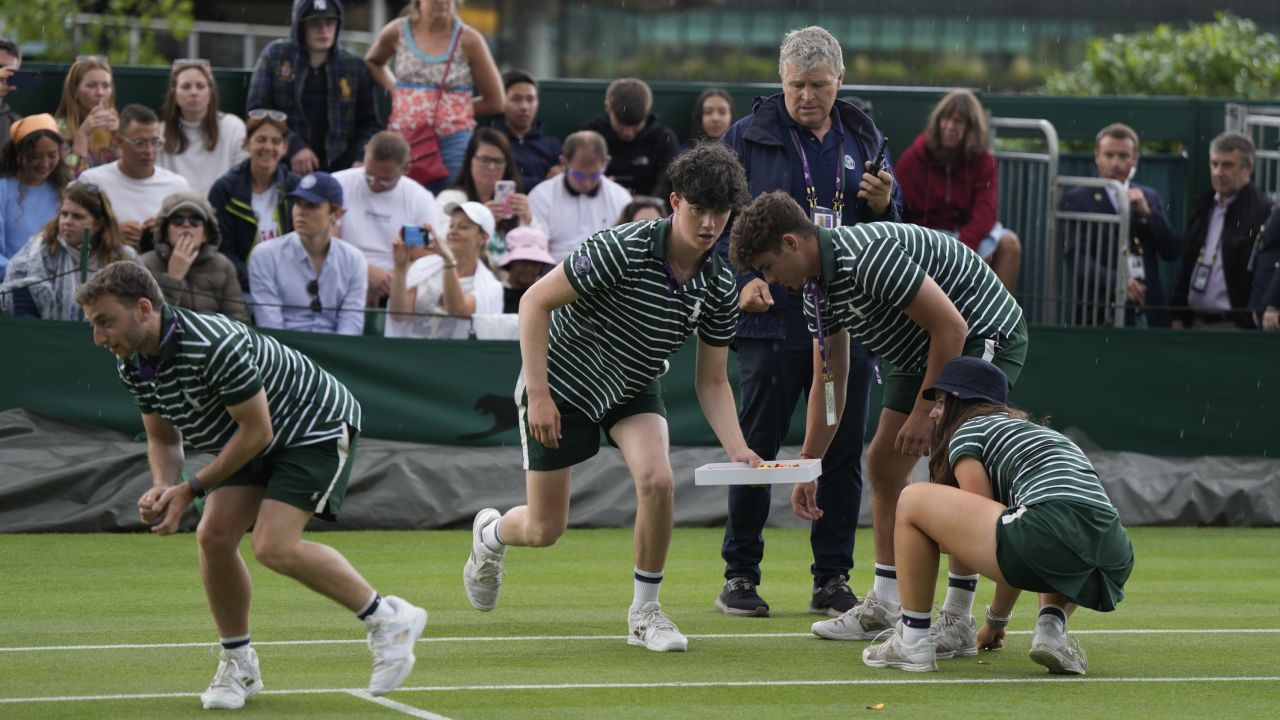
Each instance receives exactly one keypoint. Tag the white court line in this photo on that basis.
(398, 706)
(569, 638)
(668, 685)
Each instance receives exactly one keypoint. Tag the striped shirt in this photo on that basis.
(209, 362)
(1027, 463)
(872, 272)
(610, 343)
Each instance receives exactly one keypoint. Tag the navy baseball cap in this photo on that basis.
(971, 378)
(318, 187)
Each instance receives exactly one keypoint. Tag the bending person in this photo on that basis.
(624, 301)
(1019, 503)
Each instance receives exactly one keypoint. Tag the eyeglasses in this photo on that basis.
(313, 287)
(583, 177)
(187, 221)
(267, 113)
(144, 143)
(182, 63)
(491, 162)
(93, 58)
(377, 182)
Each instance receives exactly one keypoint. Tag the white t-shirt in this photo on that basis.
(202, 167)
(569, 219)
(264, 206)
(373, 219)
(135, 200)
(426, 275)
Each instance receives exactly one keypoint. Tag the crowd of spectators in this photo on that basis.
(202, 196)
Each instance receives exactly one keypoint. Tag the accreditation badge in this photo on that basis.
(825, 217)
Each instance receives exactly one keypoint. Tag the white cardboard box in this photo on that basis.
(736, 473)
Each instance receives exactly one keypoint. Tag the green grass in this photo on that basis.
(59, 590)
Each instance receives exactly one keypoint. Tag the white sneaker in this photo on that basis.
(864, 621)
(238, 679)
(482, 575)
(652, 629)
(894, 652)
(391, 642)
(1053, 647)
(954, 635)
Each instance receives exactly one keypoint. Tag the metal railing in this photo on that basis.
(1026, 202)
(1092, 257)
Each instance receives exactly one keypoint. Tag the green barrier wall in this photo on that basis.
(900, 112)
(1164, 393)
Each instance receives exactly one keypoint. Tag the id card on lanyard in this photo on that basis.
(828, 218)
(817, 295)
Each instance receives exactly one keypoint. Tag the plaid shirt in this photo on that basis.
(278, 80)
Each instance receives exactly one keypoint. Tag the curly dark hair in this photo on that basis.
(711, 176)
(761, 226)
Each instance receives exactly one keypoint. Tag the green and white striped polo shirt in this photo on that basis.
(1028, 463)
(609, 344)
(208, 362)
(872, 271)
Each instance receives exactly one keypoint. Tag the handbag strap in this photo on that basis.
(454, 44)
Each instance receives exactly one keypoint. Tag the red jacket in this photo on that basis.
(959, 199)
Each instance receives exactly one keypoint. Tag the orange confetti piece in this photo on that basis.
(877, 706)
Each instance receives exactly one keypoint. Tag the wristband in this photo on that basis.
(995, 621)
(198, 489)
(450, 266)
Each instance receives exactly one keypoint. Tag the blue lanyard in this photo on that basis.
(811, 190)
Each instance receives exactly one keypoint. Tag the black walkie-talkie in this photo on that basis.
(876, 166)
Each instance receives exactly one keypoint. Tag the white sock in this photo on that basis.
(960, 592)
(885, 585)
(647, 586)
(383, 611)
(489, 536)
(915, 626)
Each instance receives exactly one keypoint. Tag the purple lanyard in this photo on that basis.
(811, 190)
(817, 295)
(146, 368)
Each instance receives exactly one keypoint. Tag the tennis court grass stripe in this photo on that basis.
(574, 638)
(669, 685)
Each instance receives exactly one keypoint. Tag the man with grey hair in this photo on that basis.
(1214, 282)
(380, 201)
(819, 150)
(582, 201)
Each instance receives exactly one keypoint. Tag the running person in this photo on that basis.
(623, 302)
(284, 434)
(917, 298)
(1018, 502)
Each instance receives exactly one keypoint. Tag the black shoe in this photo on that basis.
(739, 597)
(832, 596)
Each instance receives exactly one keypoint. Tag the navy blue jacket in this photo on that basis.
(1266, 266)
(1151, 237)
(535, 153)
(232, 199)
(770, 162)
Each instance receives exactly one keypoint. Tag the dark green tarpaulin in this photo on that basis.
(1164, 393)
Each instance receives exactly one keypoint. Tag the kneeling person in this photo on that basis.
(1019, 503)
(283, 432)
(595, 334)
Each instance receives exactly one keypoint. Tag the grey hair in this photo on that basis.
(1229, 141)
(810, 48)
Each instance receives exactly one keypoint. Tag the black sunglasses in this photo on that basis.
(187, 220)
(313, 287)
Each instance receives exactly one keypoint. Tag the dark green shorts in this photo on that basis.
(311, 477)
(579, 434)
(1076, 549)
(901, 388)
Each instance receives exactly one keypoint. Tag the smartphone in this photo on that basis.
(878, 164)
(502, 192)
(24, 79)
(414, 235)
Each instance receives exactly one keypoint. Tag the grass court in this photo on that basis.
(116, 626)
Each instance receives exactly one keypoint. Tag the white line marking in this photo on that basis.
(569, 638)
(658, 685)
(406, 709)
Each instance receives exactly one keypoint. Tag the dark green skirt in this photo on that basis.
(1076, 549)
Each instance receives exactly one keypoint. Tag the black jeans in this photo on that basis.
(773, 376)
